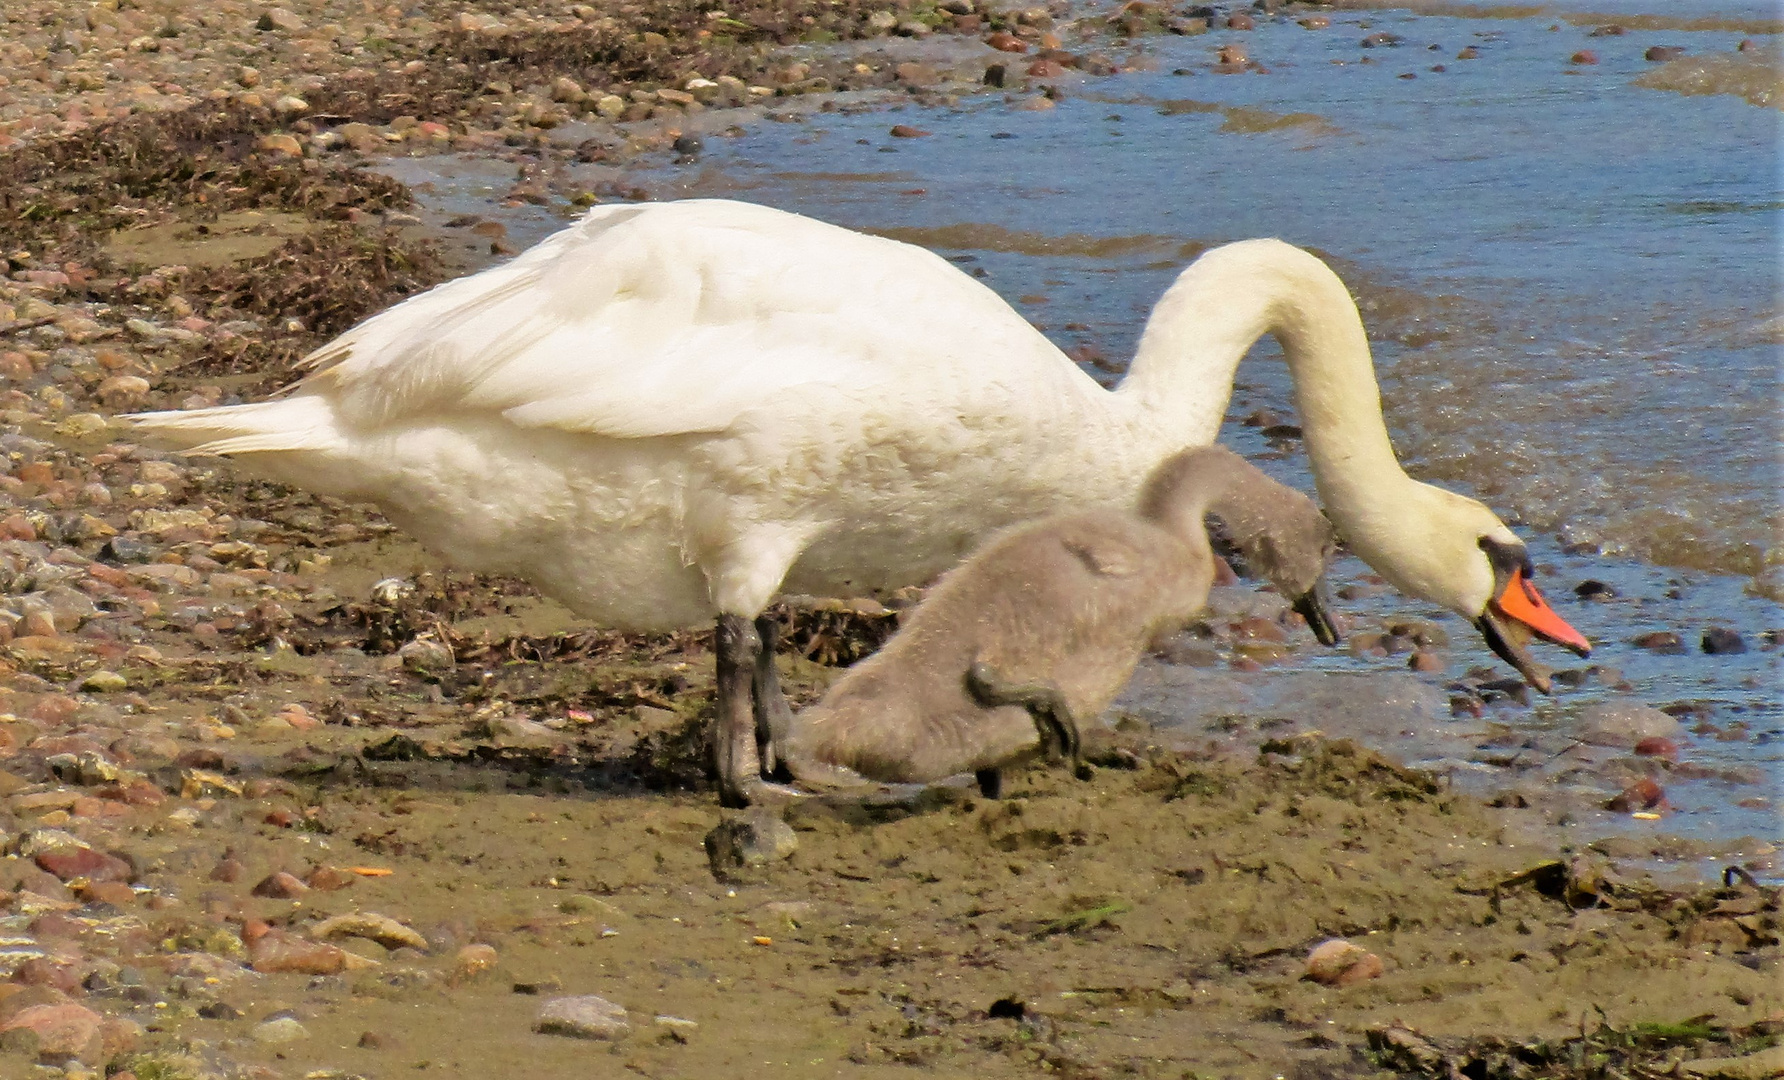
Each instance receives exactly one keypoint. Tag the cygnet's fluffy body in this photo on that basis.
(1044, 625)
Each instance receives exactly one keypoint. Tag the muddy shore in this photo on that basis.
(231, 712)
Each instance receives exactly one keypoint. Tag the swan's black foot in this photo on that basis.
(1053, 718)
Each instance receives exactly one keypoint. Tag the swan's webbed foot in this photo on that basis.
(1053, 717)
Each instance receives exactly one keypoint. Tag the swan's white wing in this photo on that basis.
(681, 318)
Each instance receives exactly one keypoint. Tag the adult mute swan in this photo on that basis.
(670, 412)
(1044, 624)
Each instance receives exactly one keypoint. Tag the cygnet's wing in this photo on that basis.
(1083, 605)
(689, 317)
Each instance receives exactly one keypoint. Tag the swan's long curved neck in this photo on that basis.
(1182, 375)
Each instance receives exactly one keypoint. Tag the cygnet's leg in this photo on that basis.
(737, 647)
(774, 717)
(1052, 715)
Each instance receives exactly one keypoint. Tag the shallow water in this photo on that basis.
(1571, 281)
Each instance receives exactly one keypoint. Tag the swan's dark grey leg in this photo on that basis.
(736, 646)
(774, 717)
(1052, 715)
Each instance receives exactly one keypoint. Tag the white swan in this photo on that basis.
(669, 412)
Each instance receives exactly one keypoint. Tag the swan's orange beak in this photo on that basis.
(1519, 601)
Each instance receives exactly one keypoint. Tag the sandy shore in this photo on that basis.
(216, 733)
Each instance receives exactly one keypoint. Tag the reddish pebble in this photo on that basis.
(1469, 53)
(77, 862)
(115, 893)
(1339, 963)
(1046, 69)
(280, 886)
(227, 870)
(1001, 41)
(44, 971)
(905, 131)
(1424, 660)
(1584, 56)
(277, 950)
(1240, 21)
(330, 879)
(284, 819)
(63, 1030)
(1644, 794)
(53, 709)
(1656, 746)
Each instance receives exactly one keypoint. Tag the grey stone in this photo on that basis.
(583, 1016)
(1625, 723)
(283, 1029)
(749, 840)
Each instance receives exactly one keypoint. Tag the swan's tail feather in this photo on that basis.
(302, 423)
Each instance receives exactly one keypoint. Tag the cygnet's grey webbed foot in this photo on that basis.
(774, 717)
(1052, 716)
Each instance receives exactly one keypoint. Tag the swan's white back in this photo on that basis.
(660, 412)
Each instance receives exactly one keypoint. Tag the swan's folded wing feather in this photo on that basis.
(667, 323)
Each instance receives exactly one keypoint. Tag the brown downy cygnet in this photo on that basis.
(1043, 626)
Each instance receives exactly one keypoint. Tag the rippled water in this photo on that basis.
(1610, 363)
(1572, 283)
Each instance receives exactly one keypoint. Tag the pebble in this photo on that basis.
(280, 886)
(1337, 962)
(382, 929)
(330, 879)
(1660, 641)
(1626, 724)
(1643, 794)
(70, 863)
(62, 1030)
(1721, 641)
(473, 960)
(582, 1017)
(1425, 660)
(1663, 53)
(425, 656)
(1657, 746)
(1231, 54)
(750, 840)
(279, 950)
(1586, 56)
(280, 1030)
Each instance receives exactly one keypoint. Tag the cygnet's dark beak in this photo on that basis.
(1314, 606)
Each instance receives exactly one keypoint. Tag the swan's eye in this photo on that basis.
(1507, 559)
